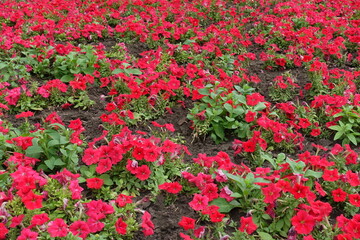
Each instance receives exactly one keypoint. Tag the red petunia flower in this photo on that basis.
(27, 234)
(303, 222)
(80, 229)
(95, 225)
(199, 202)
(344, 236)
(23, 142)
(247, 225)
(32, 201)
(216, 217)
(39, 219)
(336, 149)
(353, 228)
(354, 199)
(331, 175)
(250, 116)
(210, 190)
(254, 99)
(143, 172)
(315, 132)
(3, 231)
(123, 199)
(300, 191)
(308, 238)
(249, 146)
(121, 227)
(58, 228)
(147, 225)
(187, 223)
(75, 189)
(199, 232)
(271, 193)
(94, 183)
(173, 187)
(168, 146)
(339, 195)
(104, 165)
(319, 189)
(352, 178)
(15, 221)
(24, 115)
(185, 236)
(76, 125)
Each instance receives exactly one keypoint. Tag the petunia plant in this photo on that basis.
(221, 109)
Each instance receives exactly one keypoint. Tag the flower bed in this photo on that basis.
(179, 119)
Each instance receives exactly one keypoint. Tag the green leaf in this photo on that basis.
(67, 78)
(3, 65)
(338, 135)
(268, 158)
(204, 91)
(75, 71)
(42, 167)
(209, 112)
(352, 138)
(228, 107)
(81, 179)
(296, 167)
(53, 134)
(235, 178)
(237, 195)
(64, 152)
(126, 65)
(224, 206)
(335, 127)
(279, 225)
(311, 173)
(218, 111)
(50, 164)
(260, 180)
(74, 158)
(238, 111)
(219, 131)
(89, 70)
(240, 99)
(117, 71)
(249, 178)
(265, 236)
(6, 77)
(281, 157)
(58, 125)
(107, 179)
(260, 106)
(58, 162)
(213, 95)
(87, 174)
(34, 151)
(133, 71)
(53, 143)
(240, 181)
(229, 119)
(188, 41)
(217, 119)
(63, 140)
(4, 178)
